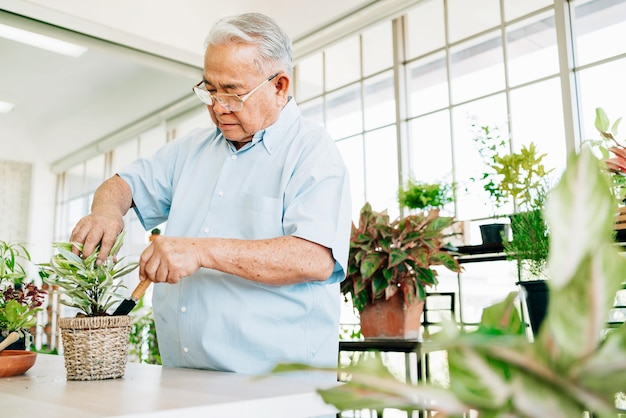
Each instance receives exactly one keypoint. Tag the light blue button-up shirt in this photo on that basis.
(289, 180)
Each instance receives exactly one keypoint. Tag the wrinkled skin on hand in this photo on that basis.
(169, 259)
(96, 229)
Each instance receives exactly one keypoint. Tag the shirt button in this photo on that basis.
(220, 193)
(183, 309)
(233, 157)
(206, 230)
(186, 350)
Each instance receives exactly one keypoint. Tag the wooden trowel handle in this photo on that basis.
(10, 339)
(140, 289)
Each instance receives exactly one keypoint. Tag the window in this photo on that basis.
(464, 63)
(530, 42)
(600, 59)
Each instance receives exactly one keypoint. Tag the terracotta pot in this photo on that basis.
(389, 319)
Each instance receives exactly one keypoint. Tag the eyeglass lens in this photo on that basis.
(229, 101)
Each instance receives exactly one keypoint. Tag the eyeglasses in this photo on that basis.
(231, 102)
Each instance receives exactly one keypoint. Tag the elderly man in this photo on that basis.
(258, 217)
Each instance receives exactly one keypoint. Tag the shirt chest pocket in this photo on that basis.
(260, 216)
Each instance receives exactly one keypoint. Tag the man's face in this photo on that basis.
(231, 69)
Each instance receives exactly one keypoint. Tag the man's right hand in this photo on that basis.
(96, 229)
(111, 201)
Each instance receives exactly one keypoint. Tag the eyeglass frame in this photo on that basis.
(205, 96)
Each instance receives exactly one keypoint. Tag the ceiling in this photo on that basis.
(64, 104)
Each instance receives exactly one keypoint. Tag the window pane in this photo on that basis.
(342, 63)
(531, 49)
(352, 152)
(124, 154)
(343, 110)
(190, 121)
(472, 201)
(94, 172)
(61, 226)
(516, 8)
(380, 104)
(152, 140)
(477, 68)
(75, 182)
(314, 110)
(377, 49)
(428, 84)
(430, 148)
(541, 122)
(600, 86)
(425, 28)
(483, 284)
(466, 18)
(599, 29)
(76, 209)
(309, 77)
(381, 162)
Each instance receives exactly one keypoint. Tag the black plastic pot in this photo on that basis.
(493, 233)
(537, 297)
(18, 345)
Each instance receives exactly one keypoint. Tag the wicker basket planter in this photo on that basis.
(95, 348)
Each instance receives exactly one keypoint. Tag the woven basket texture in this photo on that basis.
(95, 348)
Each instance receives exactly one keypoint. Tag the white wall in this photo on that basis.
(41, 213)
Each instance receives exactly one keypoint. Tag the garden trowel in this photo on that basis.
(128, 304)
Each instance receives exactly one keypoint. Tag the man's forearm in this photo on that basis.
(113, 197)
(278, 261)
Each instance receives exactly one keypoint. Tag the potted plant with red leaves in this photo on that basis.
(390, 263)
(612, 152)
(19, 302)
(18, 312)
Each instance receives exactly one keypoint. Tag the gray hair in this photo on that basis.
(259, 30)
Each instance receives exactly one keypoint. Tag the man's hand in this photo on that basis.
(169, 259)
(110, 203)
(96, 229)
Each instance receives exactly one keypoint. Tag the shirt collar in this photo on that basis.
(274, 135)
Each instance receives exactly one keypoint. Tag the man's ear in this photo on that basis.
(282, 85)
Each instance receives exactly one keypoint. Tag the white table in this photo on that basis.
(155, 391)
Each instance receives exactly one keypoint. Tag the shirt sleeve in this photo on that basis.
(152, 180)
(318, 206)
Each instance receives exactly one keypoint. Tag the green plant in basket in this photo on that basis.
(88, 287)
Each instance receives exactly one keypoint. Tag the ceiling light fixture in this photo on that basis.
(6, 107)
(41, 41)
